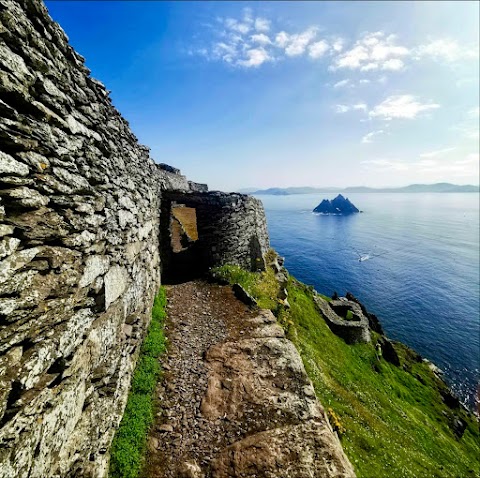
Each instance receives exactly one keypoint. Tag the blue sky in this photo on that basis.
(263, 94)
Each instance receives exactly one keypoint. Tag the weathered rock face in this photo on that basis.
(80, 205)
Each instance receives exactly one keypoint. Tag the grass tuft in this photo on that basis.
(128, 447)
(262, 286)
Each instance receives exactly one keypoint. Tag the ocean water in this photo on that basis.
(419, 267)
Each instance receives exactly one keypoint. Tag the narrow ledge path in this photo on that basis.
(235, 400)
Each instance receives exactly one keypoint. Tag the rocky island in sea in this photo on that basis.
(338, 206)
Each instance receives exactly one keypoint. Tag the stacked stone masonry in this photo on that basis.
(231, 230)
(80, 252)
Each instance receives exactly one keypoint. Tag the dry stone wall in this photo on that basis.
(80, 207)
(231, 230)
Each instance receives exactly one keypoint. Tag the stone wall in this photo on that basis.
(79, 251)
(353, 330)
(231, 230)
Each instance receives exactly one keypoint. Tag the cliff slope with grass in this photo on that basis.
(394, 418)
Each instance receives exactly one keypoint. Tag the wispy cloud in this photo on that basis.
(466, 167)
(448, 50)
(368, 138)
(385, 164)
(342, 108)
(433, 169)
(401, 106)
(341, 83)
(346, 108)
(435, 154)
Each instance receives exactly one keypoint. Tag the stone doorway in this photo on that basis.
(181, 259)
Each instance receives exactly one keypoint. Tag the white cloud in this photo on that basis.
(369, 66)
(237, 26)
(439, 152)
(318, 49)
(262, 24)
(346, 108)
(260, 38)
(342, 108)
(238, 39)
(430, 169)
(338, 44)
(368, 138)
(401, 106)
(466, 167)
(472, 158)
(353, 58)
(248, 15)
(371, 52)
(227, 52)
(298, 42)
(364, 81)
(360, 106)
(394, 64)
(341, 83)
(447, 49)
(281, 39)
(255, 57)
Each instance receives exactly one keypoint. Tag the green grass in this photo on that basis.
(262, 286)
(129, 443)
(396, 423)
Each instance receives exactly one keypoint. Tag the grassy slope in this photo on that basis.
(395, 421)
(128, 447)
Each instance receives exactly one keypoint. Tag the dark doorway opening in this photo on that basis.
(181, 252)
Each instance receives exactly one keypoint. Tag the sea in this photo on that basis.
(411, 259)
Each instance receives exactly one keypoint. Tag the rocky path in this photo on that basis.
(235, 399)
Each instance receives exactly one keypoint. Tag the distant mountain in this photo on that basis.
(288, 191)
(412, 188)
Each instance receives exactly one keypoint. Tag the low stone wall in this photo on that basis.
(352, 331)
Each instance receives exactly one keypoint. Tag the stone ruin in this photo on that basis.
(354, 329)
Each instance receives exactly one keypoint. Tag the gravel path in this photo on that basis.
(197, 315)
(235, 400)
